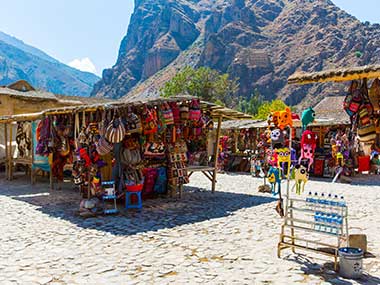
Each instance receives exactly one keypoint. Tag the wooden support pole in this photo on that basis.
(6, 150)
(216, 154)
(32, 149)
(10, 158)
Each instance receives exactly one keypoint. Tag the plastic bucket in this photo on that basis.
(350, 262)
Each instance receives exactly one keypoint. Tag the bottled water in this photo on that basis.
(309, 201)
(342, 202)
(322, 201)
(316, 201)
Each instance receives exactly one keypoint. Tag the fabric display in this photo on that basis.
(144, 147)
(177, 170)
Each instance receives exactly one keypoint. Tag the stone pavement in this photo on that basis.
(229, 237)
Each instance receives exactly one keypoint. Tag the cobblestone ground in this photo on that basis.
(229, 237)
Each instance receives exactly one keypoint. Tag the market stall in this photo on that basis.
(238, 144)
(361, 104)
(154, 143)
(325, 215)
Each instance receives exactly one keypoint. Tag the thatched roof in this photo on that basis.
(213, 109)
(330, 112)
(82, 100)
(35, 95)
(337, 75)
(244, 124)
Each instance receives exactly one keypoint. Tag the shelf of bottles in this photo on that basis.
(322, 213)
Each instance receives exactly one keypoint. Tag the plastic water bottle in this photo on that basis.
(329, 202)
(334, 228)
(316, 201)
(317, 218)
(322, 201)
(309, 201)
(342, 202)
(334, 204)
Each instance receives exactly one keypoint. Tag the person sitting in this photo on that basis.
(375, 164)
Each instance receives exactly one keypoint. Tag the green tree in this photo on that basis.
(205, 83)
(251, 106)
(266, 107)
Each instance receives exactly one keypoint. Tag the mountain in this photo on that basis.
(262, 42)
(21, 61)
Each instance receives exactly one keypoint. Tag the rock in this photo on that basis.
(259, 42)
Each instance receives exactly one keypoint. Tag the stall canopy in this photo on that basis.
(218, 113)
(336, 75)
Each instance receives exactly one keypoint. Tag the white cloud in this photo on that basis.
(83, 64)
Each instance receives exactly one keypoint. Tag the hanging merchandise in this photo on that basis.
(23, 138)
(133, 123)
(161, 181)
(115, 131)
(353, 99)
(195, 110)
(301, 176)
(184, 112)
(285, 118)
(176, 112)
(308, 116)
(283, 159)
(374, 94)
(149, 121)
(277, 137)
(274, 178)
(167, 114)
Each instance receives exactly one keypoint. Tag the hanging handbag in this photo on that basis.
(354, 99)
(195, 110)
(367, 133)
(149, 121)
(133, 123)
(167, 114)
(374, 94)
(176, 113)
(102, 146)
(115, 131)
(184, 111)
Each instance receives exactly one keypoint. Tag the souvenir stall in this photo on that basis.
(325, 214)
(135, 149)
(331, 125)
(361, 104)
(304, 218)
(20, 143)
(239, 144)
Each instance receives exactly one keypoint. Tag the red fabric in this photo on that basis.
(318, 167)
(364, 163)
(84, 155)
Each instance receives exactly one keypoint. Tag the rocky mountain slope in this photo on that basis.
(262, 42)
(21, 61)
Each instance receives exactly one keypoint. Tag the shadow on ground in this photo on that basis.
(196, 205)
(327, 273)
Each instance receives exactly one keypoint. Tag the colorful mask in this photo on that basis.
(308, 116)
(300, 175)
(309, 137)
(276, 137)
(285, 119)
(283, 156)
(307, 152)
(274, 178)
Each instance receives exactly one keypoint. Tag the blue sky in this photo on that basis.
(70, 30)
(87, 33)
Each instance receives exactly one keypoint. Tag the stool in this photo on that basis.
(128, 202)
(109, 195)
